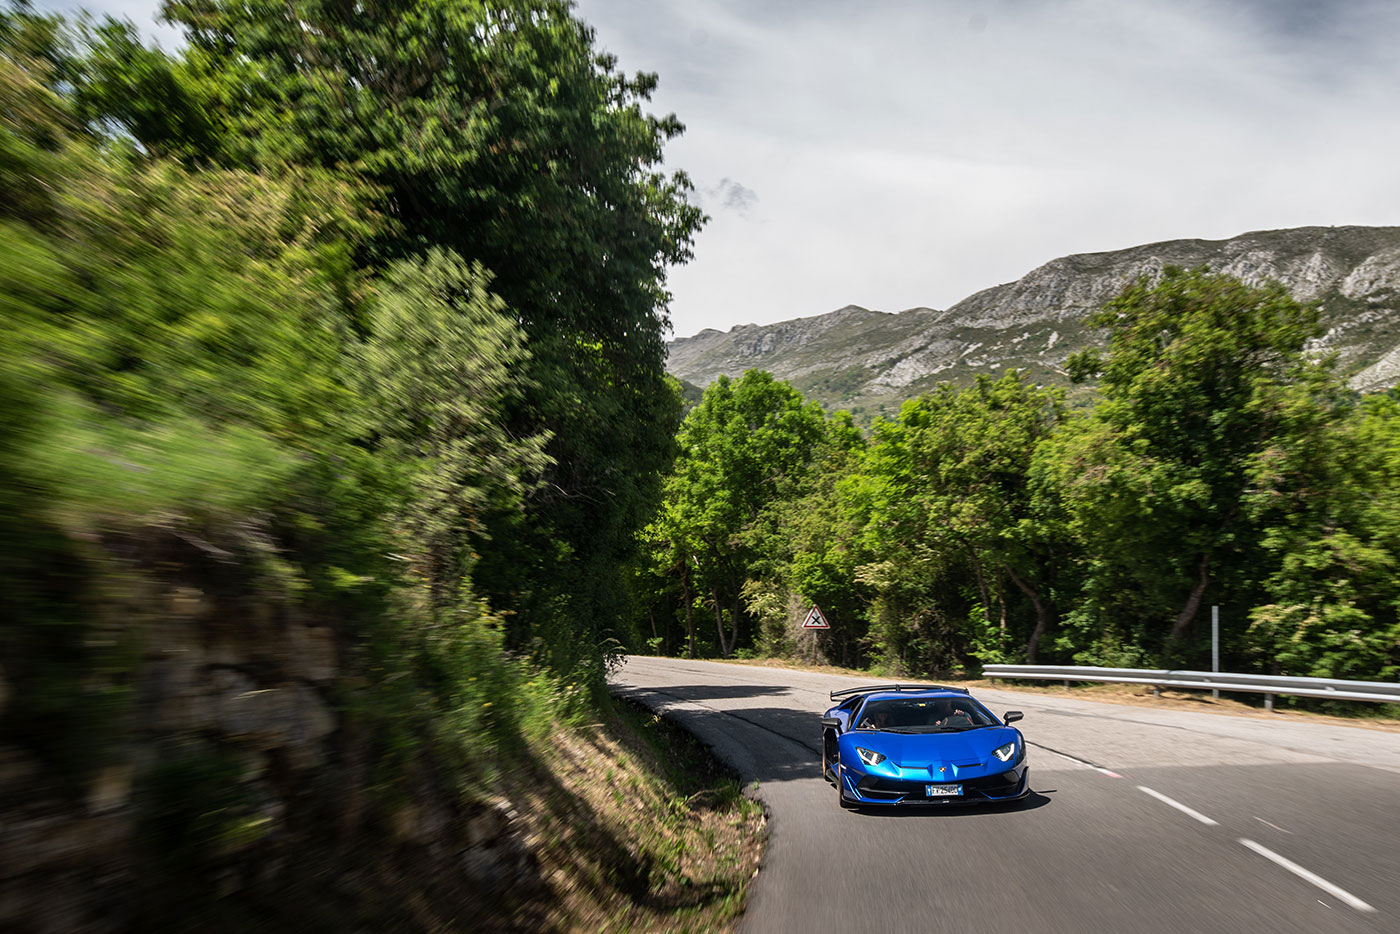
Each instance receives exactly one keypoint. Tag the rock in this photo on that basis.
(61, 906)
(31, 844)
(1379, 273)
(505, 862)
(489, 825)
(17, 768)
(187, 603)
(110, 790)
(223, 651)
(177, 689)
(404, 823)
(422, 821)
(252, 765)
(487, 866)
(291, 717)
(227, 882)
(312, 653)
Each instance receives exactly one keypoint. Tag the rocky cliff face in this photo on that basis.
(862, 359)
(232, 779)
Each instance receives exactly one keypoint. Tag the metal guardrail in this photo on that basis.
(1381, 692)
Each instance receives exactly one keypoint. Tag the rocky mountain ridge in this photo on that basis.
(871, 360)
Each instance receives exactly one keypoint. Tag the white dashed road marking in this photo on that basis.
(1192, 812)
(1312, 877)
(1268, 854)
(1275, 826)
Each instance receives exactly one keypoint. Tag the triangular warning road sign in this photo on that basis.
(815, 619)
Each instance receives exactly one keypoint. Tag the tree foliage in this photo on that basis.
(1218, 460)
(368, 301)
(748, 445)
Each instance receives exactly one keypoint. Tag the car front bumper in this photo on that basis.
(860, 787)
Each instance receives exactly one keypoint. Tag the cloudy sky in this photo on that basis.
(898, 153)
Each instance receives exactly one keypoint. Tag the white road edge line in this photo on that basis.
(1191, 812)
(1088, 765)
(1312, 877)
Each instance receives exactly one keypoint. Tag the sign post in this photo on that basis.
(814, 621)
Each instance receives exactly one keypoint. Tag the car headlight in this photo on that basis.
(869, 756)
(1004, 753)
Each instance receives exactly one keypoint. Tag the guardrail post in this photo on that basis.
(1066, 685)
(1269, 703)
(1156, 690)
(1215, 647)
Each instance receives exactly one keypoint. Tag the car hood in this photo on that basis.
(920, 750)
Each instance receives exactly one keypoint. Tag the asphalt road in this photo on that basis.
(1142, 820)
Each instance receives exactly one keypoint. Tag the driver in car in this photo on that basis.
(955, 717)
(876, 721)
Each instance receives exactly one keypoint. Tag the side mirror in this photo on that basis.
(831, 722)
(1012, 716)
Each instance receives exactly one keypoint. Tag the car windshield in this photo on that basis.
(923, 715)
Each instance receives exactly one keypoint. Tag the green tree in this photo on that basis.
(749, 444)
(1194, 388)
(806, 553)
(437, 368)
(953, 521)
(1325, 498)
(496, 131)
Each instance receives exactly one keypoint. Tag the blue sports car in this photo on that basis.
(919, 744)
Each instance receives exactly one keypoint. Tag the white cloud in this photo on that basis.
(911, 154)
(894, 153)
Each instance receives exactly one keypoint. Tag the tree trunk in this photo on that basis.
(734, 638)
(981, 584)
(1193, 600)
(726, 645)
(689, 611)
(1044, 614)
(1001, 604)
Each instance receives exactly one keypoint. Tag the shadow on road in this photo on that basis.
(1029, 803)
(700, 692)
(767, 744)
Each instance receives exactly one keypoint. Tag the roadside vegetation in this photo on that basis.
(1216, 460)
(639, 828)
(333, 398)
(339, 466)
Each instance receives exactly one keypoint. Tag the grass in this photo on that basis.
(637, 828)
(630, 825)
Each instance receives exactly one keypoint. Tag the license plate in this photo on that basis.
(940, 791)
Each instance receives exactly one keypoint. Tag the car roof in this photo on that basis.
(900, 690)
(935, 692)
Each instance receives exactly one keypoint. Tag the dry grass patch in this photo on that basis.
(638, 828)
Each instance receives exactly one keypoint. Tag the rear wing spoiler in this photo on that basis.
(896, 687)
